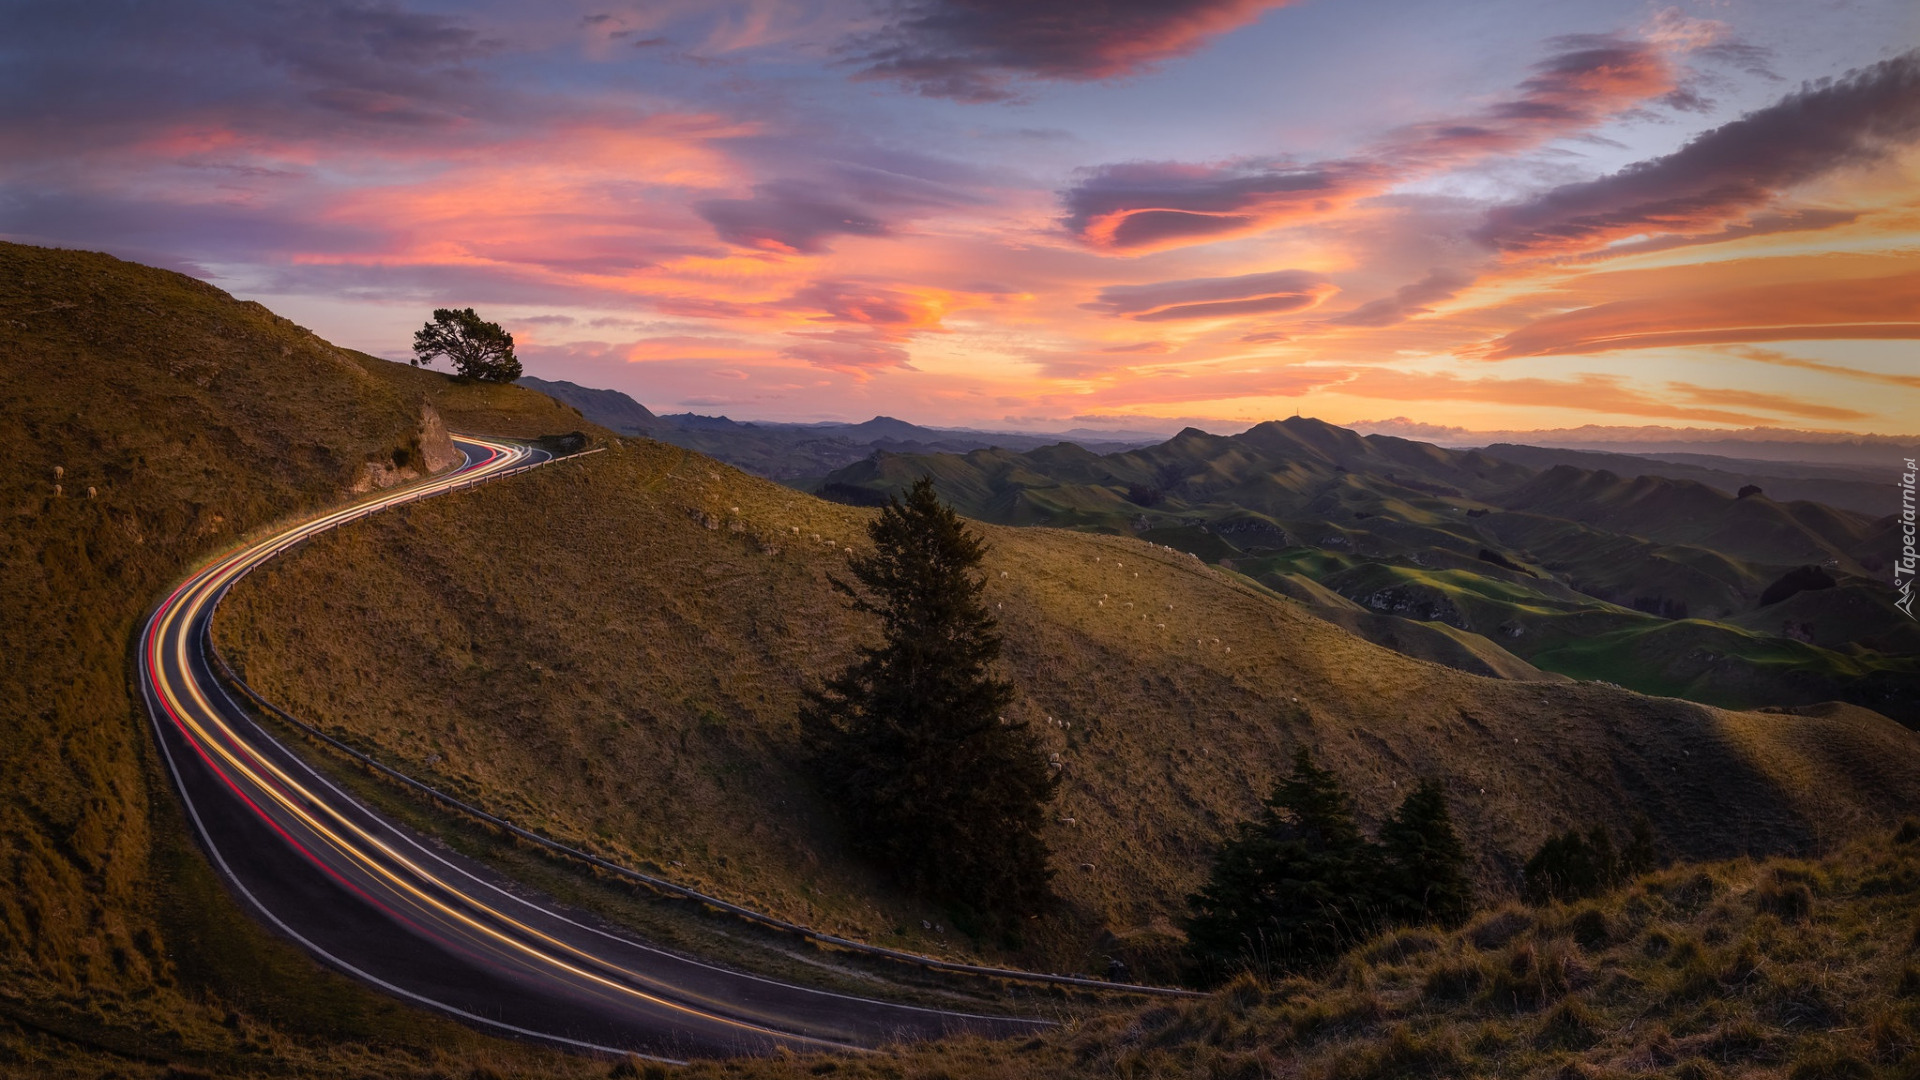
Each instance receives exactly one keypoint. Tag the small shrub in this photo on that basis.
(1792, 901)
(1693, 894)
(1335, 1013)
(1802, 1003)
(1695, 975)
(1400, 946)
(1455, 980)
(1570, 1026)
(1244, 990)
(1892, 1038)
(1908, 832)
(1738, 1041)
(1909, 984)
(1590, 928)
(1402, 1053)
(1534, 976)
(1497, 928)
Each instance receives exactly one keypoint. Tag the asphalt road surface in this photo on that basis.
(382, 904)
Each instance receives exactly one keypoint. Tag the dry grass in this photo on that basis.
(193, 418)
(575, 642)
(614, 649)
(1693, 977)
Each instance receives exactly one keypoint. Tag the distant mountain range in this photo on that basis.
(1851, 487)
(1497, 559)
(1875, 452)
(1529, 562)
(788, 451)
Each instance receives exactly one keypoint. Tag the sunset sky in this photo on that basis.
(1032, 214)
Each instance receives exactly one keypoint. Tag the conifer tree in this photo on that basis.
(1571, 866)
(910, 739)
(1425, 879)
(1294, 886)
(1639, 855)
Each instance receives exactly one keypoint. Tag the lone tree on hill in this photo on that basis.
(910, 740)
(477, 348)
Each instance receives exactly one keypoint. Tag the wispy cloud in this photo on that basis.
(984, 50)
(1728, 173)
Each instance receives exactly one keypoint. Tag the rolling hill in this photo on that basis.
(611, 649)
(1647, 581)
(626, 668)
(1857, 487)
(790, 451)
(150, 420)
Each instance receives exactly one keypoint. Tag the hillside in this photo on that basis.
(1856, 488)
(1777, 968)
(615, 650)
(150, 420)
(1650, 582)
(788, 451)
(610, 650)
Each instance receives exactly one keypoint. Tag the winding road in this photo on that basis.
(396, 911)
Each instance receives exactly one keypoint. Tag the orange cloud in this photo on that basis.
(1590, 393)
(1270, 293)
(1883, 307)
(1780, 359)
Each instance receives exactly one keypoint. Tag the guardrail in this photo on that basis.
(651, 881)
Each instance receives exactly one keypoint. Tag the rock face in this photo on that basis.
(430, 448)
(436, 446)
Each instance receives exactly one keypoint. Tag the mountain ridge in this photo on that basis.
(1428, 534)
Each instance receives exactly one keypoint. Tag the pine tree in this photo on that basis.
(1639, 856)
(910, 740)
(1292, 887)
(1425, 878)
(1571, 866)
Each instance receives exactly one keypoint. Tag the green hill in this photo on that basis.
(1586, 574)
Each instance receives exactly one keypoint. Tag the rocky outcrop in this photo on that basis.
(436, 446)
(429, 450)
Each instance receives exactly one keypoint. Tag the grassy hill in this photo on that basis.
(1785, 968)
(615, 649)
(611, 648)
(149, 421)
(1649, 581)
(1850, 488)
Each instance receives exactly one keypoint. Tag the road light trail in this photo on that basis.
(371, 899)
